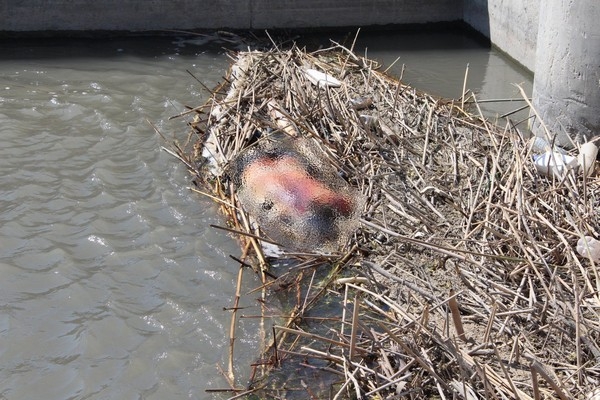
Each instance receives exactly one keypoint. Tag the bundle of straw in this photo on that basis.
(462, 279)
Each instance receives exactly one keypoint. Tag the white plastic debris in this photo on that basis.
(541, 145)
(593, 395)
(321, 79)
(553, 163)
(360, 103)
(587, 157)
(368, 120)
(587, 246)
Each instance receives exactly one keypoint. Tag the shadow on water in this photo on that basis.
(108, 47)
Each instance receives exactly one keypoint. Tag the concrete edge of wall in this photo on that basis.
(102, 33)
(137, 15)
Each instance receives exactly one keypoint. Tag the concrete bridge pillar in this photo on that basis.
(566, 86)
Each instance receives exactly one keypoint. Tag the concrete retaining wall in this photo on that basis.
(330, 13)
(125, 15)
(140, 15)
(566, 89)
(511, 25)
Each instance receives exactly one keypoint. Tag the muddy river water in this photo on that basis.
(112, 283)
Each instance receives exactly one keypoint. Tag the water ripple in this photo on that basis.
(102, 249)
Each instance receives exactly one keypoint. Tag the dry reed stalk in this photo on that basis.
(539, 369)
(311, 336)
(453, 304)
(354, 331)
(233, 323)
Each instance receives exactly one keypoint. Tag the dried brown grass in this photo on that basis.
(462, 281)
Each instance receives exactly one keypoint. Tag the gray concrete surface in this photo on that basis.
(511, 25)
(140, 15)
(566, 88)
(126, 15)
(330, 13)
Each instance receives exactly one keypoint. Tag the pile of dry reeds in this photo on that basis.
(462, 280)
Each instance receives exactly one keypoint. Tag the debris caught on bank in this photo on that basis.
(292, 197)
(588, 246)
(456, 274)
(555, 164)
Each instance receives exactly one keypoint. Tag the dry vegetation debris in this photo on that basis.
(462, 280)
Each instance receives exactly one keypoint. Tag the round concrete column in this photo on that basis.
(566, 86)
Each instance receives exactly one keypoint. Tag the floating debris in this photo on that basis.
(457, 274)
